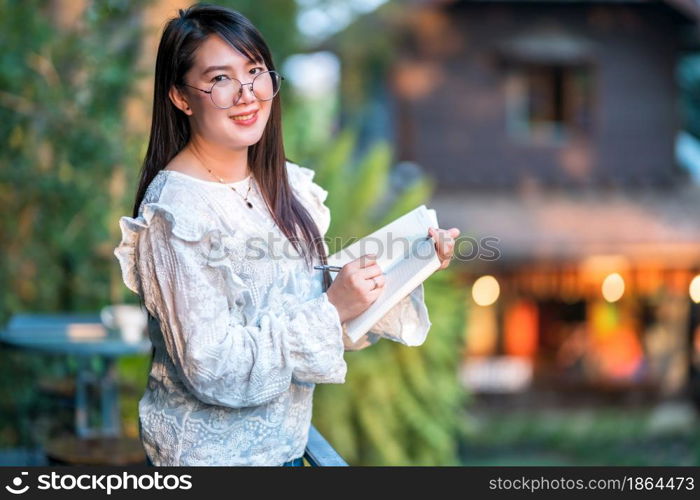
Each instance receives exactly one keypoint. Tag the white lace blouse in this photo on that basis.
(241, 328)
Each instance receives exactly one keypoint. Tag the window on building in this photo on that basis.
(548, 103)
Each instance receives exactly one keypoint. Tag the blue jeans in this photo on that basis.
(297, 462)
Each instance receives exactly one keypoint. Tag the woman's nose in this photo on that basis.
(246, 95)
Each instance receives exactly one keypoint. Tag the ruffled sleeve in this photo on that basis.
(226, 351)
(187, 227)
(312, 195)
(408, 322)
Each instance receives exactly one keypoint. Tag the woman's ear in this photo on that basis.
(179, 100)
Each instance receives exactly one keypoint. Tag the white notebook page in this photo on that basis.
(406, 256)
(402, 279)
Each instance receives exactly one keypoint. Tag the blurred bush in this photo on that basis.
(64, 151)
(65, 147)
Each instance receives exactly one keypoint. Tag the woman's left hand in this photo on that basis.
(444, 243)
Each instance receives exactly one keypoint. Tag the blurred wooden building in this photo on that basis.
(550, 128)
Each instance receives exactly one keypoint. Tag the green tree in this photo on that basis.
(65, 147)
(275, 19)
(64, 151)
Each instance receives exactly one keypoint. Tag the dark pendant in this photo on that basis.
(250, 205)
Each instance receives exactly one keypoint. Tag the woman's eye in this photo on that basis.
(218, 78)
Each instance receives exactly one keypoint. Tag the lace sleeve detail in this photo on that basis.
(225, 351)
(408, 322)
(363, 342)
(186, 227)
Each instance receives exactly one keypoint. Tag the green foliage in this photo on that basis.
(20, 405)
(275, 20)
(62, 166)
(400, 405)
(64, 144)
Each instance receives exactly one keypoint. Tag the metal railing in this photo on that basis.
(319, 452)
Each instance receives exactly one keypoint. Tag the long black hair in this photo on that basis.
(170, 130)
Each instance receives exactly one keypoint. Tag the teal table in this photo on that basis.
(82, 336)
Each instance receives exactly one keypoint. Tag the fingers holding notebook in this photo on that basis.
(372, 272)
(356, 287)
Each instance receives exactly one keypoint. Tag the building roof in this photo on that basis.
(663, 227)
(688, 8)
(389, 16)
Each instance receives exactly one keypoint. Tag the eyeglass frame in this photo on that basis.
(240, 92)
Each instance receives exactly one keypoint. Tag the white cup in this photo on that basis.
(129, 319)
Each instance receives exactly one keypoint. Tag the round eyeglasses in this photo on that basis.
(227, 92)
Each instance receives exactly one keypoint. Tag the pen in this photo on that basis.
(326, 267)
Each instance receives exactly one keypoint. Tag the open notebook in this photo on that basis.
(406, 255)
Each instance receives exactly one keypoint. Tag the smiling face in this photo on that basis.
(216, 60)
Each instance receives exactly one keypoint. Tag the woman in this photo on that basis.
(219, 248)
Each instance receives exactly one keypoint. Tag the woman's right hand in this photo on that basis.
(352, 290)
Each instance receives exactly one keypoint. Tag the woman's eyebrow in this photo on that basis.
(226, 67)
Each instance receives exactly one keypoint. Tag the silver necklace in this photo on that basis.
(245, 198)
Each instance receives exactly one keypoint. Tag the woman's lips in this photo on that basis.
(250, 121)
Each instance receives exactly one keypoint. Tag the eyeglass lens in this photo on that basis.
(226, 93)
